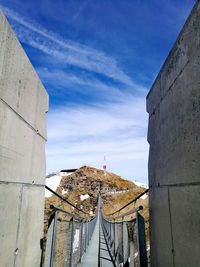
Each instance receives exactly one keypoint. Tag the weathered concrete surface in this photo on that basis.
(173, 105)
(23, 106)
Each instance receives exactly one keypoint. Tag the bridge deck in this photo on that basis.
(105, 260)
(90, 259)
(91, 256)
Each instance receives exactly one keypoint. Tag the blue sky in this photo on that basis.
(97, 59)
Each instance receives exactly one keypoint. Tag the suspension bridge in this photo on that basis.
(98, 241)
(173, 105)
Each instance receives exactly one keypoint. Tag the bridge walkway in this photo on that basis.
(91, 257)
(97, 246)
(104, 256)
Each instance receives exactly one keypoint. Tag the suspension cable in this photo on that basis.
(134, 200)
(129, 212)
(65, 211)
(65, 200)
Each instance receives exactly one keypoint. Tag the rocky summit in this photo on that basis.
(83, 186)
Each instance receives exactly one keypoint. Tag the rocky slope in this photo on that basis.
(83, 186)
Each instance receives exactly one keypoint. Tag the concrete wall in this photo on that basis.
(23, 105)
(173, 105)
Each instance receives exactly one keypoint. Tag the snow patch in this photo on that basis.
(53, 182)
(65, 173)
(83, 197)
(76, 240)
(141, 184)
(64, 191)
(144, 196)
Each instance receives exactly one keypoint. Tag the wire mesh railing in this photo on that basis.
(69, 235)
(67, 239)
(126, 240)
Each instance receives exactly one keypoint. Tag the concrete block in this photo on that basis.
(30, 227)
(9, 219)
(173, 68)
(174, 132)
(160, 231)
(183, 52)
(174, 171)
(22, 150)
(23, 106)
(21, 223)
(185, 214)
(20, 86)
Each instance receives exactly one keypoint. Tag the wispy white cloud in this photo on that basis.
(72, 53)
(105, 119)
(60, 79)
(82, 135)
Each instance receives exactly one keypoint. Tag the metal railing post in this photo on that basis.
(122, 239)
(88, 237)
(53, 252)
(132, 249)
(141, 240)
(81, 240)
(110, 233)
(85, 236)
(125, 242)
(71, 241)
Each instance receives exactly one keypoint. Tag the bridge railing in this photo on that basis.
(67, 239)
(126, 239)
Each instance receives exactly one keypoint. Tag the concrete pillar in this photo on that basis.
(173, 105)
(23, 105)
